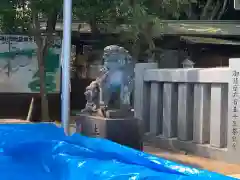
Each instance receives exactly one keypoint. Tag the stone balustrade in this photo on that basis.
(194, 110)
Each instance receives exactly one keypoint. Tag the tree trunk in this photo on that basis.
(41, 69)
(43, 93)
(149, 39)
(94, 27)
(136, 50)
(43, 43)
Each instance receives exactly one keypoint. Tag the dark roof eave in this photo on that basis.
(169, 27)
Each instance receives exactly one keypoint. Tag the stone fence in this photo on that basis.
(194, 110)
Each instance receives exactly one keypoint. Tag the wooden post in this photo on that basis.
(29, 116)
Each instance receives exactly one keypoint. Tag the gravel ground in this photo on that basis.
(198, 162)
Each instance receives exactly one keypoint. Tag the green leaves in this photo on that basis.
(16, 15)
(45, 6)
(97, 9)
(8, 17)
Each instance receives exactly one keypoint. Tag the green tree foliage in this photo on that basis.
(143, 16)
(24, 16)
(10, 22)
(94, 12)
(138, 16)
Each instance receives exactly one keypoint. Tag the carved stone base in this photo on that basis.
(125, 131)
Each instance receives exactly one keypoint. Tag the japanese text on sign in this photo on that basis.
(96, 131)
(235, 107)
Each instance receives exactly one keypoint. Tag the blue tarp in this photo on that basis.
(43, 152)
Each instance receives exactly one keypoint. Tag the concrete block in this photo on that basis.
(185, 111)
(142, 94)
(201, 113)
(170, 97)
(156, 108)
(125, 131)
(218, 116)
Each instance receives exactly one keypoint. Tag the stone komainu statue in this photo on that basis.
(113, 88)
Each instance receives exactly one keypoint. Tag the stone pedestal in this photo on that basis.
(125, 131)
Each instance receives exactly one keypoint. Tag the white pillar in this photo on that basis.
(65, 96)
(233, 144)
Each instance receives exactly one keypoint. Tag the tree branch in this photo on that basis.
(147, 32)
(50, 29)
(222, 10)
(35, 29)
(94, 27)
(215, 10)
(205, 10)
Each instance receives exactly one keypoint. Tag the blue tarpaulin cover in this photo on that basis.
(43, 152)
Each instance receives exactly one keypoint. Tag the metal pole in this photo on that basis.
(65, 96)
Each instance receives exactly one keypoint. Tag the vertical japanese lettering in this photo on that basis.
(235, 107)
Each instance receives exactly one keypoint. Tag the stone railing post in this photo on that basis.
(142, 92)
(233, 133)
